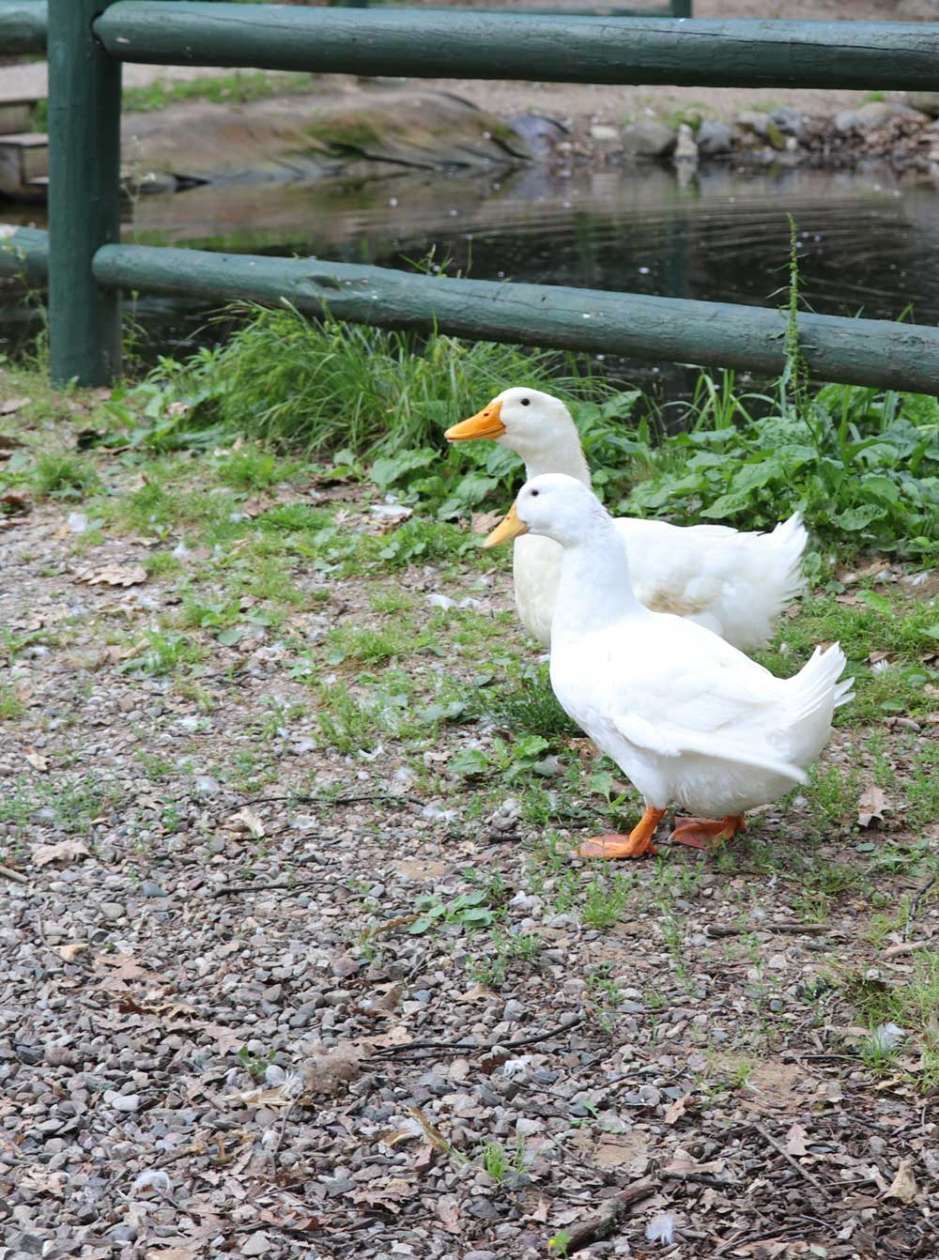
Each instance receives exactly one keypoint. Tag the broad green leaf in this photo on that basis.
(468, 762)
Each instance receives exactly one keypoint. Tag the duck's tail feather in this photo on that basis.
(818, 685)
(789, 539)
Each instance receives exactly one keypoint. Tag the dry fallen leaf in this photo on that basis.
(329, 1073)
(11, 405)
(14, 503)
(37, 760)
(903, 1186)
(795, 1140)
(68, 953)
(64, 851)
(448, 1213)
(248, 820)
(627, 1150)
(830, 1091)
(485, 522)
(675, 1110)
(114, 575)
(871, 805)
(388, 1195)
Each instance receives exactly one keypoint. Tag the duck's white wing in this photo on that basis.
(668, 739)
(692, 693)
(735, 584)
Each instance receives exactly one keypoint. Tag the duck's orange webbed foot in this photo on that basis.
(707, 833)
(637, 844)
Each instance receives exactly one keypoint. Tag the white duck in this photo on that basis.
(688, 718)
(735, 584)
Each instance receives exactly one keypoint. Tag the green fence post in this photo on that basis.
(84, 194)
(681, 8)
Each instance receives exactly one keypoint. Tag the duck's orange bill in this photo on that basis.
(511, 527)
(485, 424)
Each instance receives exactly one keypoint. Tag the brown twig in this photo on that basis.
(914, 904)
(600, 1226)
(16, 876)
(701, 1179)
(388, 797)
(779, 929)
(790, 1159)
(231, 889)
(390, 1052)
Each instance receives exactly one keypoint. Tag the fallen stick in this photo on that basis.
(231, 889)
(905, 947)
(779, 929)
(16, 876)
(390, 798)
(390, 1052)
(914, 905)
(790, 1159)
(600, 1226)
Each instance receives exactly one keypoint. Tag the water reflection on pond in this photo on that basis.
(868, 244)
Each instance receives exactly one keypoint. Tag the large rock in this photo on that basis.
(301, 137)
(925, 103)
(649, 138)
(789, 121)
(873, 114)
(714, 137)
(755, 122)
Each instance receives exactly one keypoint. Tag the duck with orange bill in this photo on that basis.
(734, 583)
(691, 721)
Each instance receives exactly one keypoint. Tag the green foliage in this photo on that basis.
(11, 706)
(164, 653)
(500, 1164)
(863, 466)
(321, 386)
(64, 476)
(506, 950)
(512, 760)
(529, 706)
(468, 910)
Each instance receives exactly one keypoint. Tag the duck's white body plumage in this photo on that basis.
(690, 719)
(733, 583)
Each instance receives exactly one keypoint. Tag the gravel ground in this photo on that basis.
(230, 1025)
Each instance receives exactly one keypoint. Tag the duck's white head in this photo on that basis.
(536, 426)
(555, 506)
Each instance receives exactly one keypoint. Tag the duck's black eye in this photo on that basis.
(535, 493)
(526, 402)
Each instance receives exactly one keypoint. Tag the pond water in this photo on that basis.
(868, 243)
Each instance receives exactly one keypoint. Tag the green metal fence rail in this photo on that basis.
(88, 39)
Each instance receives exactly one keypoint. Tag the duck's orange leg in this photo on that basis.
(637, 844)
(707, 833)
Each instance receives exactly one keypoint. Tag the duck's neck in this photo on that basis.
(595, 589)
(557, 453)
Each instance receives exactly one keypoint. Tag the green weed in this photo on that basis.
(11, 706)
(506, 951)
(64, 476)
(500, 1164)
(164, 653)
(469, 910)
